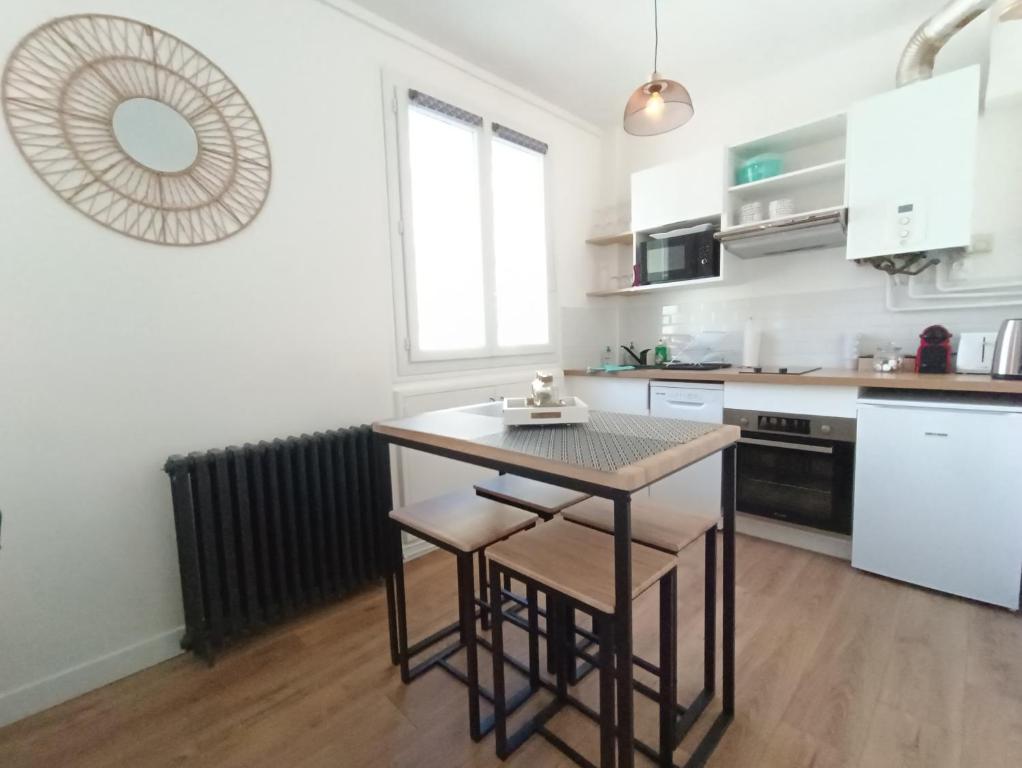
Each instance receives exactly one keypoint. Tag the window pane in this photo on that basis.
(519, 233)
(444, 171)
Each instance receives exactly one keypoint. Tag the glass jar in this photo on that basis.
(887, 358)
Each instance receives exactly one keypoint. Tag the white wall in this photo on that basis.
(115, 354)
(807, 301)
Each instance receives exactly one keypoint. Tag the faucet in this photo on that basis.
(640, 359)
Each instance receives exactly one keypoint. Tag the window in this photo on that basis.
(474, 240)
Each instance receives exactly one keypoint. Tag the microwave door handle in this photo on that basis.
(781, 444)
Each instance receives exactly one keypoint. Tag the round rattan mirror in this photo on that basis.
(136, 129)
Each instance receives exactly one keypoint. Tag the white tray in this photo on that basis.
(519, 412)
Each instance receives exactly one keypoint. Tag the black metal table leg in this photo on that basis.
(466, 614)
(728, 639)
(484, 610)
(497, 651)
(604, 630)
(568, 629)
(533, 601)
(710, 613)
(552, 632)
(391, 617)
(668, 664)
(623, 628)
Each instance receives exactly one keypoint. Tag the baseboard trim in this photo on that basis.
(416, 548)
(824, 542)
(49, 691)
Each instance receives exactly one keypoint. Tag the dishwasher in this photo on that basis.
(695, 489)
(938, 493)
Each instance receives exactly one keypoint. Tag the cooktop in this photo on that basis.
(695, 366)
(789, 370)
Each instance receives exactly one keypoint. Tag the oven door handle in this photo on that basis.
(781, 444)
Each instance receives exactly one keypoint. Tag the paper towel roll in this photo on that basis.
(750, 343)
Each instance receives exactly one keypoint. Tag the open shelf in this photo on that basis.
(828, 130)
(793, 180)
(622, 238)
(767, 223)
(639, 289)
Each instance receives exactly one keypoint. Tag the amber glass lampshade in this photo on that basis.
(657, 106)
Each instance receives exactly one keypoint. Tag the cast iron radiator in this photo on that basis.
(267, 530)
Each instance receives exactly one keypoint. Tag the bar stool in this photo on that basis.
(546, 501)
(576, 565)
(668, 530)
(462, 524)
(533, 496)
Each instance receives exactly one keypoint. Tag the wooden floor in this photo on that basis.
(835, 668)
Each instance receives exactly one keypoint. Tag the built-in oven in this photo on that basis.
(690, 253)
(795, 467)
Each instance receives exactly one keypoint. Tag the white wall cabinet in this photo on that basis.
(911, 167)
(684, 190)
(603, 393)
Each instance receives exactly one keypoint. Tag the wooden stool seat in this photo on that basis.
(578, 562)
(462, 521)
(654, 524)
(541, 498)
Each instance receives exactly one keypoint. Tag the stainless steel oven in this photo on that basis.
(796, 468)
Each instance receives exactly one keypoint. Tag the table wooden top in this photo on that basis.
(613, 451)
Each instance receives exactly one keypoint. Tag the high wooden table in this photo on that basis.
(612, 457)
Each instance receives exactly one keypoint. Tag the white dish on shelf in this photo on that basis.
(519, 412)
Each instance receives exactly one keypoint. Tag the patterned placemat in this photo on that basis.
(608, 442)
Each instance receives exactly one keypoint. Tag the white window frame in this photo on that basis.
(411, 359)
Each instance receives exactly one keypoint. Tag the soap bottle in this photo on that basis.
(660, 353)
(607, 358)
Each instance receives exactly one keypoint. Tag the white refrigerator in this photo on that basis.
(938, 495)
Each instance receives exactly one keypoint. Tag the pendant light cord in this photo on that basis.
(656, 34)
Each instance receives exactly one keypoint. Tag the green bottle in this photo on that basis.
(660, 352)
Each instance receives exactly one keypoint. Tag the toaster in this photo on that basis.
(975, 352)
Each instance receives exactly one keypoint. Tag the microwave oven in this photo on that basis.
(692, 253)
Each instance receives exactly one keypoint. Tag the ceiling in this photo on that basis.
(587, 55)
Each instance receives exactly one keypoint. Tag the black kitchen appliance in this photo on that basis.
(690, 253)
(934, 353)
(796, 468)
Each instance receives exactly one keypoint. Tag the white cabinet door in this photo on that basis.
(605, 393)
(911, 167)
(685, 190)
(694, 490)
(937, 500)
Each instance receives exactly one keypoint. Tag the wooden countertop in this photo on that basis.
(953, 382)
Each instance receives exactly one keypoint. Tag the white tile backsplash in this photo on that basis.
(803, 328)
(585, 333)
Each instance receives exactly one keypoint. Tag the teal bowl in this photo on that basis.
(760, 167)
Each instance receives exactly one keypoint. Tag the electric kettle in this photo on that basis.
(1007, 360)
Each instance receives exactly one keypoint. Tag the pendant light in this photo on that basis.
(659, 105)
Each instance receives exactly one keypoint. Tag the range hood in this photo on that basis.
(826, 228)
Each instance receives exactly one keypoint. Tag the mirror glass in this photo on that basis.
(155, 135)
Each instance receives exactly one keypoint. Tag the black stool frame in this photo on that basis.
(465, 627)
(687, 714)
